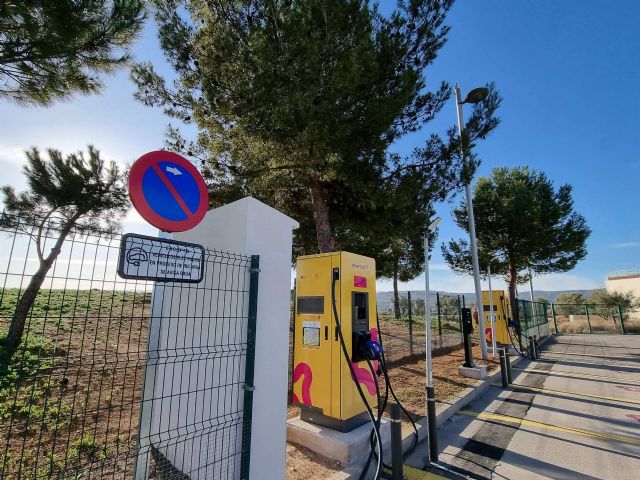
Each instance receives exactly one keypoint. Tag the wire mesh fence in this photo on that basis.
(594, 318)
(407, 335)
(76, 399)
(532, 314)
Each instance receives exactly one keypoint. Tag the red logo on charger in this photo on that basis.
(359, 281)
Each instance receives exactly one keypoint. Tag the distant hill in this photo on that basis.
(385, 299)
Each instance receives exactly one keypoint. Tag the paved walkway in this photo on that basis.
(572, 414)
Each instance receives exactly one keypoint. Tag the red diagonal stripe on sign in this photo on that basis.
(172, 189)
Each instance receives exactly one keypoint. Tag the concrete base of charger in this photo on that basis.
(345, 448)
(473, 372)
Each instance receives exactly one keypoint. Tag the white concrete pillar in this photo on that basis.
(246, 227)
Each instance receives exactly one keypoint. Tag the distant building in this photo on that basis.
(624, 282)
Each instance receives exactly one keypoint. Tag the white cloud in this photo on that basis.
(564, 281)
(625, 245)
(12, 155)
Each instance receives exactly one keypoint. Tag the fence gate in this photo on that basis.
(114, 379)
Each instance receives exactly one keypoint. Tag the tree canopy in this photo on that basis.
(52, 49)
(65, 194)
(525, 223)
(296, 103)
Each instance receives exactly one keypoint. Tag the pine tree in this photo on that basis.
(50, 49)
(525, 223)
(296, 103)
(86, 195)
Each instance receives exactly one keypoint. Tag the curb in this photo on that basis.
(444, 411)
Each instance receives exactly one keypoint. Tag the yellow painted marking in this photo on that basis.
(577, 374)
(411, 473)
(577, 394)
(532, 423)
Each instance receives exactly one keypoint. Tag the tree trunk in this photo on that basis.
(513, 300)
(396, 297)
(326, 242)
(19, 319)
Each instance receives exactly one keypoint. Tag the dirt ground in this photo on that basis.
(408, 380)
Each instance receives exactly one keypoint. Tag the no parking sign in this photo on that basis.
(168, 191)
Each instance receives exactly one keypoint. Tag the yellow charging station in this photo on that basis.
(323, 384)
(501, 312)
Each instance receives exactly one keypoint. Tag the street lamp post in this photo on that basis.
(431, 394)
(474, 96)
(531, 285)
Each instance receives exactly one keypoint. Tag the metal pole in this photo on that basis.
(439, 318)
(427, 317)
(531, 285)
(433, 432)
(396, 443)
(472, 234)
(503, 369)
(410, 324)
(492, 316)
(586, 310)
(507, 359)
(431, 412)
(460, 319)
(555, 321)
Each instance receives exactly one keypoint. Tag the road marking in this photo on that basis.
(532, 423)
(411, 473)
(601, 366)
(609, 357)
(577, 374)
(577, 394)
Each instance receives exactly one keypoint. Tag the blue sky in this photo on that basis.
(569, 73)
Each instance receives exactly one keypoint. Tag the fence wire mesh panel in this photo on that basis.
(594, 318)
(406, 336)
(532, 314)
(112, 379)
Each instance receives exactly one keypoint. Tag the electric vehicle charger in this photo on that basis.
(376, 350)
(335, 276)
(509, 328)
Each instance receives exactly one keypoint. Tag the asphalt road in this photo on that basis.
(572, 414)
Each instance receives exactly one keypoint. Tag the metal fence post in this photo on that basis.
(624, 330)
(539, 315)
(439, 318)
(410, 324)
(460, 320)
(555, 320)
(250, 367)
(586, 310)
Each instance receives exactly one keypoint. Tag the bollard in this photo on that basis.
(532, 349)
(507, 359)
(536, 347)
(397, 472)
(433, 432)
(503, 369)
(467, 330)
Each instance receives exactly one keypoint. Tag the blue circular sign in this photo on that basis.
(168, 191)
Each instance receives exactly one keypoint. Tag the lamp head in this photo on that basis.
(434, 224)
(476, 95)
